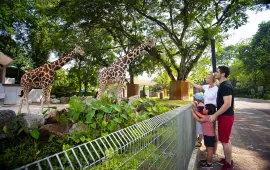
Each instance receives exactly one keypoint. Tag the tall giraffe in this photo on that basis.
(116, 73)
(43, 77)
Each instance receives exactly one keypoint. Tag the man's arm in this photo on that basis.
(223, 108)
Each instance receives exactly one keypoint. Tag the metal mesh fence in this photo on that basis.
(163, 142)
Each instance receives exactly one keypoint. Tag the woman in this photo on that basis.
(210, 98)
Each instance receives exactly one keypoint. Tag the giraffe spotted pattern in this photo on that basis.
(116, 73)
(43, 77)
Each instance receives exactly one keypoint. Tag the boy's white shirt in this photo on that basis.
(210, 95)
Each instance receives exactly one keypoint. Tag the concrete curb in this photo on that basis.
(194, 159)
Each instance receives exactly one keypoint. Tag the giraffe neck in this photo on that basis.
(62, 61)
(127, 59)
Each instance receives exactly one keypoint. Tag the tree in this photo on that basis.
(98, 54)
(62, 85)
(185, 31)
(163, 80)
(226, 55)
(256, 55)
(128, 34)
(201, 70)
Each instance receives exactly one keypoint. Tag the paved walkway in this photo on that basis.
(34, 108)
(250, 136)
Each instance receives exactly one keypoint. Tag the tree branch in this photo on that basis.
(186, 22)
(170, 56)
(171, 19)
(154, 52)
(224, 14)
(161, 24)
(196, 19)
(193, 62)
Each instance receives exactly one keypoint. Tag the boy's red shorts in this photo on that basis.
(225, 124)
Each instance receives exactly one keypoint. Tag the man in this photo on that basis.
(225, 115)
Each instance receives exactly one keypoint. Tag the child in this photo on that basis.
(208, 135)
(199, 105)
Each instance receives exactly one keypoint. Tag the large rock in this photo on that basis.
(55, 101)
(8, 118)
(53, 96)
(53, 116)
(58, 130)
(132, 98)
(31, 121)
(77, 127)
(90, 100)
(64, 100)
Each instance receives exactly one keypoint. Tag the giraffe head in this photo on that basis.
(150, 42)
(79, 50)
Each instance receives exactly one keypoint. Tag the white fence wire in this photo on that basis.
(165, 141)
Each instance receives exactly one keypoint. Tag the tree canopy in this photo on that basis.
(31, 30)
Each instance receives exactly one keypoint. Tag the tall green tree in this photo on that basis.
(200, 71)
(163, 80)
(256, 55)
(185, 28)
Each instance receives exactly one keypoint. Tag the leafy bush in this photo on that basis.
(95, 118)
(266, 96)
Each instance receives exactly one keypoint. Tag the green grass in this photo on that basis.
(166, 101)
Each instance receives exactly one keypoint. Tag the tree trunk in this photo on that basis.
(131, 81)
(179, 90)
(165, 92)
(85, 87)
(132, 89)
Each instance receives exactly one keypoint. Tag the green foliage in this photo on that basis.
(23, 148)
(162, 80)
(63, 86)
(250, 64)
(114, 159)
(94, 118)
(34, 133)
(201, 70)
(104, 116)
(186, 31)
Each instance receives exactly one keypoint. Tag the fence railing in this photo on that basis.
(165, 141)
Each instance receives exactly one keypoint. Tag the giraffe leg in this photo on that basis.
(48, 97)
(119, 91)
(26, 100)
(43, 98)
(101, 90)
(21, 103)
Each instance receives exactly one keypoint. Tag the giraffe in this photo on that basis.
(43, 77)
(116, 73)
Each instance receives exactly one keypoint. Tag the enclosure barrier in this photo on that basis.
(165, 141)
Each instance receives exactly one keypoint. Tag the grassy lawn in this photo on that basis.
(166, 101)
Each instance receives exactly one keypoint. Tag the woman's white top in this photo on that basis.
(210, 94)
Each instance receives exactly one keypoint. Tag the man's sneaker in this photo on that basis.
(206, 165)
(222, 161)
(227, 166)
(198, 145)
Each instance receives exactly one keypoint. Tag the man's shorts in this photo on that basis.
(199, 128)
(209, 141)
(225, 124)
